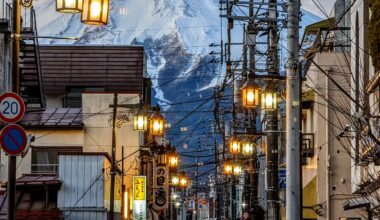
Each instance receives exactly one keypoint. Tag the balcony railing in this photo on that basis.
(45, 168)
(307, 147)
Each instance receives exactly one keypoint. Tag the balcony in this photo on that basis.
(307, 147)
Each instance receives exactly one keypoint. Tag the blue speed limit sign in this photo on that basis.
(12, 107)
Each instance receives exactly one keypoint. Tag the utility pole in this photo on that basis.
(196, 183)
(216, 207)
(122, 183)
(11, 186)
(113, 155)
(293, 187)
(253, 163)
(272, 123)
(230, 73)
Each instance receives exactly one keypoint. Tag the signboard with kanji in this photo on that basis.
(139, 188)
(161, 187)
(139, 198)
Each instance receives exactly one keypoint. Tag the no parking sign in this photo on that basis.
(13, 139)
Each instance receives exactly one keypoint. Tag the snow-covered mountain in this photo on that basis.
(176, 35)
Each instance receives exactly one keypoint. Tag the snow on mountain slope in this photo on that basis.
(190, 25)
(194, 24)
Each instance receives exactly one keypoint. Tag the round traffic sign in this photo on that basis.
(12, 107)
(13, 139)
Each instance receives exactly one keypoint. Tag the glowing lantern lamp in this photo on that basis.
(269, 100)
(69, 6)
(234, 145)
(157, 124)
(227, 168)
(175, 180)
(248, 147)
(183, 181)
(237, 169)
(173, 159)
(140, 122)
(250, 94)
(95, 12)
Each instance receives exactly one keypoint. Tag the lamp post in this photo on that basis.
(269, 105)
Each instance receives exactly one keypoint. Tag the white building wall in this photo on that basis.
(82, 190)
(359, 29)
(332, 162)
(98, 131)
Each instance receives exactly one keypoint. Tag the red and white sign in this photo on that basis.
(12, 107)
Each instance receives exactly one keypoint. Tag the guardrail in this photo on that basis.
(44, 168)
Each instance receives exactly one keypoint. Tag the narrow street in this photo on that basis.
(189, 109)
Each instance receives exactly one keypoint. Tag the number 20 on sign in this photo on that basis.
(12, 107)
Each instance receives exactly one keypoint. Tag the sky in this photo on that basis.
(310, 6)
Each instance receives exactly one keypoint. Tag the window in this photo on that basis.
(45, 159)
(73, 97)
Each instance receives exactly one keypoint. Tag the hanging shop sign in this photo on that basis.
(139, 198)
(161, 187)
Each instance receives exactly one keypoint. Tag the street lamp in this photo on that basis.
(172, 159)
(234, 145)
(269, 100)
(227, 168)
(183, 181)
(250, 94)
(248, 147)
(237, 169)
(232, 168)
(140, 122)
(157, 124)
(69, 6)
(95, 12)
(175, 180)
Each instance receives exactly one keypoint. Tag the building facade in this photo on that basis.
(365, 128)
(74, 116)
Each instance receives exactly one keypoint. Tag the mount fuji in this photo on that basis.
(176, 35)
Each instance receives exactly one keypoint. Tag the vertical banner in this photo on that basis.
(161, 187)
(139, 198)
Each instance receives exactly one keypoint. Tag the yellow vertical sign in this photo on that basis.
(139, 198)
(139, 186)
